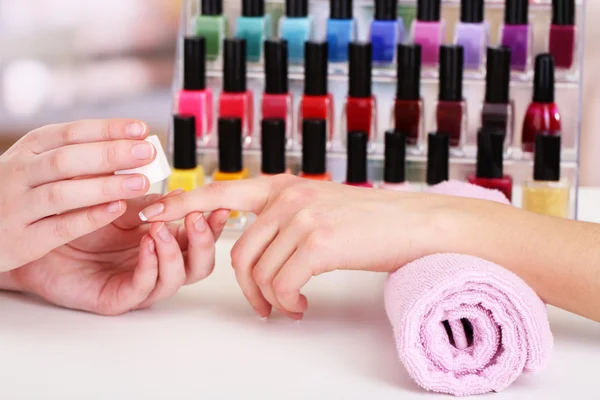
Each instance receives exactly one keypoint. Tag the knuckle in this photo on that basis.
(236, 257)
(59, 161)
(305, 219)
(110, 155)
(216, 188)
(62, 230)
(106, 130)
(317, 240)
(281, 289)
(296, 195)
(67, 134)
(260, 276)
(53, 194)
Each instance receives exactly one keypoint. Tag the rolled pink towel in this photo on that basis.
(463, 325)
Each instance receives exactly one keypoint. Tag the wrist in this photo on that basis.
(8, 283)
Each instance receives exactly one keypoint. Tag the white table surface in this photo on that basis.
(206, 343)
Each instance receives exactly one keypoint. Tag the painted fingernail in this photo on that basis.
(143, 151)
(151, 246)
(200, 223)
(113, 207)
(135, 183)
(172, 193)
(135, 130)
(152, 211)
(164, 234)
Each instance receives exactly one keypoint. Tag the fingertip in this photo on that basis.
(136, 130)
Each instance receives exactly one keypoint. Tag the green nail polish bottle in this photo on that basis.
(212, 24)
(254, 26)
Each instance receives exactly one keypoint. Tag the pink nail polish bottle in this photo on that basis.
(429, 30)
(394, 172)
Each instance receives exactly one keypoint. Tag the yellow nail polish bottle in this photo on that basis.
(547, 194)
(230, 159)
(187, 174)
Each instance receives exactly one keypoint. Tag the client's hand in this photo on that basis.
(305, 228)
(126, 265)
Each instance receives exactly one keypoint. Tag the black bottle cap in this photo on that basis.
(359, 69)
(273, 146)
(386, 10)
(516, 12)
(234, 65)
(315, 68)
(546, 162)
(230, 145)
(276, 66)
(438, 155)
(394, 170)
(471, 11)
(296, 8)
(184, 142)
(497, 80)
(490, 152)
(340, 9)
(253, 8)
(356, 171)
(451, 73)
(314, 143)
(212, 7)
(428, 10)
(543, 79)
(563, 12)
(408, 79)
(194, 63)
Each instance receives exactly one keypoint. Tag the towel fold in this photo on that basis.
(463, 325)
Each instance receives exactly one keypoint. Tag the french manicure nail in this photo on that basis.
(200, 223)
(164, 234)
(152, 211)
(143, 151)
(113, 207)
(134, 183)
(135, 130)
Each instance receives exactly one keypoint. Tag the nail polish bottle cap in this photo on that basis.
(184, 142)
(563, 12)
(315, 68)
(276, 66)
(340, 9)
(451, 73)
(314, 143)
(194, 63)
(438, 155)
(516, 12)
(428, 10)
(296, 8)
(212, 7)
(394, 170)
(273, 146)
(490, 152)
(234, 65)
(408, 75)
(471, 11)
(356, 171)
(546, 161)
(543, 80)
(386, 10)
(230, 145)
(359, 69)
(253, 8)
(497, 80)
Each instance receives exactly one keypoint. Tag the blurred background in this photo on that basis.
(63, 60)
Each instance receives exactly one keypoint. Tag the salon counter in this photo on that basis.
(206, 343)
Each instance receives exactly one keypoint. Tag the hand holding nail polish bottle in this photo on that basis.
(429, 30)
(296, 28)
(408, 112)
(195, 98)
(394, 169)
(356, 169)
(341, 30)
(517, 34)
(212, 25)
(272, 143)
(472, 32)
(563, 34)
(387, 31)
(187, 174)
(314, 150)
(277, 100)
(254, 26)
(438, 158)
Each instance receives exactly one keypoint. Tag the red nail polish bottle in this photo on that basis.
(360, 110)
(562, 33)
(438, 158)
(314, 150)
(489, 173)
(451, 109)
(408, 108)
(277, 101)
(542, 114)
(236, 100)
(316, 103)
(356, 171)
(195, 98)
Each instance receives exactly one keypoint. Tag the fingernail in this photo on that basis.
(263, 319)
(172, 193)
(164, 234)
(200, 223)
(134, 183)
(152, 211)
(143, 151)
(151, 246)
(135, 130)
(113, 207)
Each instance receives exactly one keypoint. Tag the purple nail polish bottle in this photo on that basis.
(428, 30)
(517, 34)
(472, 33)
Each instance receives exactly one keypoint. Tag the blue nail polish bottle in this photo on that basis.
(387, 30)
(297, 28)
(341, 30)
(253, 26)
